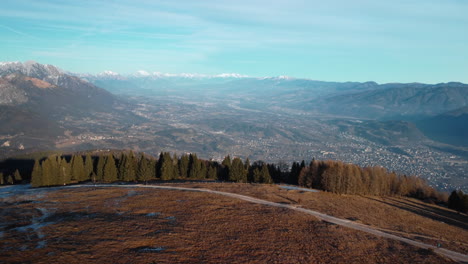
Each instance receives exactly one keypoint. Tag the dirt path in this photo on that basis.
(327, 218)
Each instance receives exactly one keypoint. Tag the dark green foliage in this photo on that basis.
(128, 167)
(167, 168)
(144, 172)
(183, 165)
(226, 167)
(88, 167)
(110, 170)
(78, 169)
(196, 170)
(36, 175)
(212, 172)
(332, 176)
(237, 171)
(100, 168)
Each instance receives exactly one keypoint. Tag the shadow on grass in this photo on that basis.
(437, 214)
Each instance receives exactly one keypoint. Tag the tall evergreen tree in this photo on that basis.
(110, 170)
(65, 172)
(237, 171)
(88, 167)
(195, 171)
(100, 168)
(167, 167)
(144, 170)
(184, 162)
(265, 175)
(36, 174)
(78, 169)
(212, 172)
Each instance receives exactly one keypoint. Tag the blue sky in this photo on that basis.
(334, 40)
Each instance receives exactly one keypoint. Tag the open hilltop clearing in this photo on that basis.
(146, 225)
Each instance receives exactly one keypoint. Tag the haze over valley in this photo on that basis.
(274, 119)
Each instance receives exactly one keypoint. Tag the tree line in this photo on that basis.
(331, 176)
(128, 167)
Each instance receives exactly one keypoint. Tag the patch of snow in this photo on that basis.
(6, 143)
(108, 73)
(142, 73)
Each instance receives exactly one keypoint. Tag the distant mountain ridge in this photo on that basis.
(398, 101)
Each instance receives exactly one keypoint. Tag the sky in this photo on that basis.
(334, 40)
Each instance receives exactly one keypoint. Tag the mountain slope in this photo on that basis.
(398, 101)
(40, 103)
(450, 127)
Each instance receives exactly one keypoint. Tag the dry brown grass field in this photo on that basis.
(137, 225)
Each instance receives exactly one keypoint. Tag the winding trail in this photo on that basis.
(323, 217)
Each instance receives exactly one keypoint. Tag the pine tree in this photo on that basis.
(195, 170)
(100, 168)
(123, 167)
(184, 166)
(78, 169)
(226, 167)
(212, 172)
(65, 172)
(237, 171)
(46, 172)
(131, 167)
(88, 167)
(265, 175)
(144, 170)
(167, 167)
(110, 170)
(36, 175)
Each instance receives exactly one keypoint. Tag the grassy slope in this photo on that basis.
(111, 225)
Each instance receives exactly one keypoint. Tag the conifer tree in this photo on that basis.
(100, 168)
(167, 167)
(88, 167)
(184, 166)
(226, 167)
(65, 172)
(212, 172)
(131, 167)
(110, 170)
(123, 167)
(78, 169)
(195, 167)
(265, 175)
(144, 170)
(36, 175)
(46, 172)
(237, 171)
